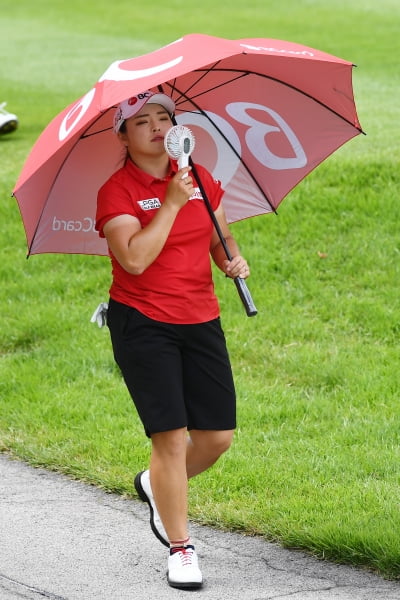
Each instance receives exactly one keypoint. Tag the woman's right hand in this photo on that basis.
(180, 188)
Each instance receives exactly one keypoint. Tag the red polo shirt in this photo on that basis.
(177, 287)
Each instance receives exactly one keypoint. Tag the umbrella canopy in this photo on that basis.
(264, 113)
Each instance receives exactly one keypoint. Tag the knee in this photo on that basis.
(215, 443)
(223, 443)
(170, 443)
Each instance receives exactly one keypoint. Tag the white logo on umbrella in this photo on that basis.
(79, 109)
(256, 139)
(115, 73)
(257, 132)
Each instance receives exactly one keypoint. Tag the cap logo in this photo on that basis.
(132, 101)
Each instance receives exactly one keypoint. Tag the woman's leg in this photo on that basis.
(168, 479)
(204, 448)
(176, 457)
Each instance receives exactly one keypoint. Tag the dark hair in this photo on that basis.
(122, 128)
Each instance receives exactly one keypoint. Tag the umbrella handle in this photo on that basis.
(245, 296)
(240, 283)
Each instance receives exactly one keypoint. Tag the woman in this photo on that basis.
(163, 317)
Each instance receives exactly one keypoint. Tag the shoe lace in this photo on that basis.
(185, 554)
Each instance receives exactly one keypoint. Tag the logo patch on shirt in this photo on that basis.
(149, 204)
(196, 195)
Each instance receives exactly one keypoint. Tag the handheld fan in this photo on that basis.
(179, 143)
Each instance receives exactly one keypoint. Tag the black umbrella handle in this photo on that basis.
(245, 296)
(240, 283)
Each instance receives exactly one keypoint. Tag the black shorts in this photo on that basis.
(177, 375)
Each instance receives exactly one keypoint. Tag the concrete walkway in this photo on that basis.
(64, 540)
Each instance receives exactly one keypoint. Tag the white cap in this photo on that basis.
(132, 105)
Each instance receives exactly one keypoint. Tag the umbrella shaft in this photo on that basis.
(210, 211)
(240, 283)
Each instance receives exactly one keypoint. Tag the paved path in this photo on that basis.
(64, 540)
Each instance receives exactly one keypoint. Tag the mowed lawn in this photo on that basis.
(315, 463)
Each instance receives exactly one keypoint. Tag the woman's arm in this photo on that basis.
(136, 248)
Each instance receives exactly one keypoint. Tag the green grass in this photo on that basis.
(315, 463)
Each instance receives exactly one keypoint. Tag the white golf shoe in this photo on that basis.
(8, 121)
(183, 568)
(143, 488)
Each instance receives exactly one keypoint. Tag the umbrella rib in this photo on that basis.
(208, 90)
(289, 85)
(216, 87)
(88, 135)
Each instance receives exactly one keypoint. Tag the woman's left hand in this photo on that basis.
(237, 267)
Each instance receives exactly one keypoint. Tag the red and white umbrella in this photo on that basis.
(264, 114)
